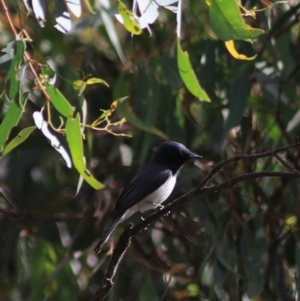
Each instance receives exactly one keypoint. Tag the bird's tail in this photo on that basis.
(107, 234)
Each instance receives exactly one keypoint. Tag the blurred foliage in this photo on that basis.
(239, 244)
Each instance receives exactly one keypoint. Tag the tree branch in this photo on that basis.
(125, 238)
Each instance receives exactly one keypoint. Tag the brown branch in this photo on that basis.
(26, 54)
(125, 239)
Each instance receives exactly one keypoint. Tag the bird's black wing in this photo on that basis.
(150, 178)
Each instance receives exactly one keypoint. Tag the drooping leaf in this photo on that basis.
(62, 17)
(74, 139)
(20, 138)
(128, 19)
(110, 28)
(75, 7)
(11, 79)
(188, 75)
(55, 143)
(232, 50)
(95, 80)
(60, 103)
(10, 120)
(80, 85)
(39, 11)
(227, 22)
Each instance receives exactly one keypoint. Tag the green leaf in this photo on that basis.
(79, 85)
(10, 120)
(74, 139)
(11, 79)
(129, 19)
(95, 80)
(59, 101)
(20, 138)
(188, 75)
(227, 22)
(124, 110)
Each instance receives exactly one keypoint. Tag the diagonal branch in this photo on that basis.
(125, 239)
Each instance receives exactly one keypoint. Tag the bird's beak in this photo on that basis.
(195, 156)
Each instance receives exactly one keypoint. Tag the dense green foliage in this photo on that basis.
(241, 243)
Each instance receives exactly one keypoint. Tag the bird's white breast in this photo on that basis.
(154, 199)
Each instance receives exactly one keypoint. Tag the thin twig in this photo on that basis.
(26, 54)
(125, 239)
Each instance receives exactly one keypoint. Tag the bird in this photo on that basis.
(151, 186)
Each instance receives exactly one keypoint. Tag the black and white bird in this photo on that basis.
(151, 186)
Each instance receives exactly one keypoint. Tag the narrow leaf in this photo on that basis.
(188, 76)
(59, 102)
(232, 50)
(11, 79)
(10, 120)
(20, 138)
(55, 143)
(227, 22)
(74, 139)
(89, 6)
(75, 7)
(79, 85)
(95, 80)
(129, 19)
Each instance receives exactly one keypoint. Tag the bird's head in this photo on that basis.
(173, 154)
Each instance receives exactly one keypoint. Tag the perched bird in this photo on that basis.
(151, 186)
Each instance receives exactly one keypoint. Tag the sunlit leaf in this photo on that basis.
(227, 22)
(79, 85)
(75, 7)
(74, 139)
(194, 290)
(291, 221)
(55, 143)
(95, 80)
(232, 50)
(128, 19)
(59, 101)
(20, 138)
(39, 10)
(188, 75)
(149, 10)
(64, 23)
